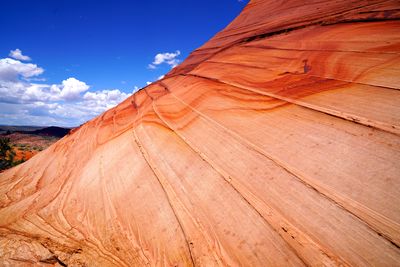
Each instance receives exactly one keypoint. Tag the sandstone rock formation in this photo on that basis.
(274, 144)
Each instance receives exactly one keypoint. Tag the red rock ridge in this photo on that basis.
(274, 144)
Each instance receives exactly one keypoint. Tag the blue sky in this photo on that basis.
(63, 62)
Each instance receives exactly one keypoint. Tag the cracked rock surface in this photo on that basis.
(276, 143)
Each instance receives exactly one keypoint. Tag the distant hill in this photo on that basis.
(51, 131)
(12, 128)
(54, 131)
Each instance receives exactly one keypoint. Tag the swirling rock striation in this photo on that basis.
(274, 144)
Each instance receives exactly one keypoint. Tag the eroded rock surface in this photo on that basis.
(274, 144)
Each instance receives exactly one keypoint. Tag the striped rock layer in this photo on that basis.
(274, 144)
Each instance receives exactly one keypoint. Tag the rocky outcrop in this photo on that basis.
(274, 144)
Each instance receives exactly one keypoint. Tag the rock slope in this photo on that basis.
(274, 144)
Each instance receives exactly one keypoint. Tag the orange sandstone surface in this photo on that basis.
(274, 144)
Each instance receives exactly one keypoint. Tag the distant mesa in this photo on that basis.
(54, 131)
(51, 131)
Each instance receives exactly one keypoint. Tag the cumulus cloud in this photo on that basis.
(68, 103)
(104, 99)
(70, 89)
(11, 69)
(167, 58)
(24, 92)
(17, 54)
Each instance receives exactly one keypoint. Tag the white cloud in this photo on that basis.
(71, 89)
(161, 77)
(167, 58)
(34, 79)
(104, 99)
(148, 83)
(11, 69)
(17, 54)
(38, 92)
(69, 103)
